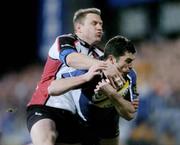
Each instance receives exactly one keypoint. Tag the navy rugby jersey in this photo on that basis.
(86, 99)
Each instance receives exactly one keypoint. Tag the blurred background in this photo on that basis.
(30, 27)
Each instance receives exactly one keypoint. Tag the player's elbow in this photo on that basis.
(51, 89)
(50, 92)
(129, 116)
(69, 62)
(71, 59)
(126, 115)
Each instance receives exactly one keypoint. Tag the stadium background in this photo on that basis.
(30, 27)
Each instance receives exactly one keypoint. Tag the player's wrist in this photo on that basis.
(85, 78)
(99, 62)
(111, 93)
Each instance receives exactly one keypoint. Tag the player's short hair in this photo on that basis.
(118, 45)
(81, 14)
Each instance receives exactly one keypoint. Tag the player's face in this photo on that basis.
(125, 62)
(91, 28)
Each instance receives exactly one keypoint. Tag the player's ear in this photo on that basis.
(78, 27)
(112, 59)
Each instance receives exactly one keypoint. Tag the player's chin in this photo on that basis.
(126, 72)
(98, 38)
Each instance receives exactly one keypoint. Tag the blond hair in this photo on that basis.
(81, 14)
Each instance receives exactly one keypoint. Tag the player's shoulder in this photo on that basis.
(66, 39)
(132, 76)
(99, 48)
(132, 73)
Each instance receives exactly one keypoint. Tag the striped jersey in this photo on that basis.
(56, 67)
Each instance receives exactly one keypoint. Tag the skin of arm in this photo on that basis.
(125, 108)
(81, 61)
(58, 87)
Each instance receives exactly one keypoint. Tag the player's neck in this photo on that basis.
(81, 37)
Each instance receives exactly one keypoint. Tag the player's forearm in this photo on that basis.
(124, 107)
(80, 61)
(124, 113)
(58, 87)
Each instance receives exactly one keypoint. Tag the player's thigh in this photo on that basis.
(43, 132)
(110, 141)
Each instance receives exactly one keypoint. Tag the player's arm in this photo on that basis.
(81, 61)
(125, 108)
(70, 56)
(63, 85)
(58, 87)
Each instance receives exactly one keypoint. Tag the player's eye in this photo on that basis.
(128, 60)
(94, 23)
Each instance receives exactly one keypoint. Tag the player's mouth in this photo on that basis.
(125, 73)
(99, 34)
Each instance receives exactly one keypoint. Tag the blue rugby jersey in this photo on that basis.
(85, 98)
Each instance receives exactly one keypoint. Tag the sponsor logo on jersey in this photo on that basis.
(124, 90)
(104, 102)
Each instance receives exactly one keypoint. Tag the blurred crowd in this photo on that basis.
(157, 122)
(158, 84)
(16, 89)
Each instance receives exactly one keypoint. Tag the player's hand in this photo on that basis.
(118, 82)
(95, 70)
(114, 75)
(135, 103)
(104, 87)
